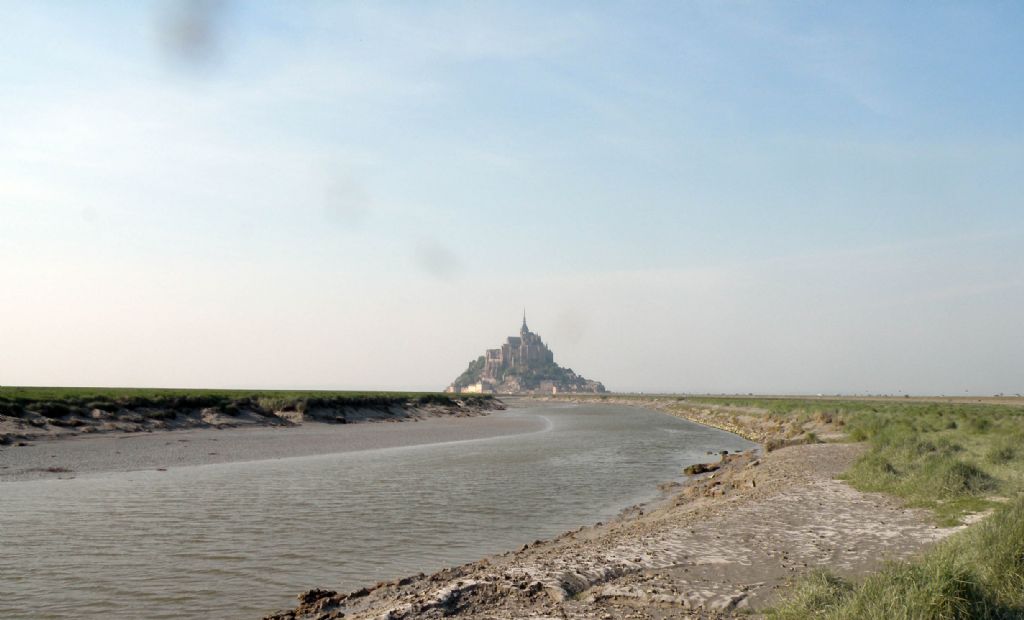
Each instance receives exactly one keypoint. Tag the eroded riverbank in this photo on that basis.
(29, 414)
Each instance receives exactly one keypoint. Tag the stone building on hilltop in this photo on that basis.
(522, 351)
(523, 364)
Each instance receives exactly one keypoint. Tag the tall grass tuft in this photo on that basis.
(817, 595)
(1004, 451)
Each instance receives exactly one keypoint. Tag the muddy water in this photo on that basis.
(240, 539)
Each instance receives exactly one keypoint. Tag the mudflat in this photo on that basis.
(90, 454)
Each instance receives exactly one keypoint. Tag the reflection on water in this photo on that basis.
(240, 540)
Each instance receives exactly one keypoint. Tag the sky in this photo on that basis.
(789, 197)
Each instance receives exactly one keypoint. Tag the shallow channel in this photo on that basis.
(241, 539)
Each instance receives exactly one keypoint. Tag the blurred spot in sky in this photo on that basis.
(570, 325)
(191, 31)
(347, 204)
(437, 260)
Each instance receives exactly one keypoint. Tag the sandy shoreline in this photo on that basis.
(110, 452)
(722, 546)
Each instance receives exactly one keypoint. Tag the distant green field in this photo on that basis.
(93, 393)
(14, 399)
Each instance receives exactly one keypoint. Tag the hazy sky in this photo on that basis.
(686, 196)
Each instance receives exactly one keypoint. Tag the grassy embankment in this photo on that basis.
(946, 455)
(952, 458)
(57, 402)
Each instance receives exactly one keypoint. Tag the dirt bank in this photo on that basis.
(753, 423)
(28, 420)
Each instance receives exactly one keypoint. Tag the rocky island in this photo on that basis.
(522, 365)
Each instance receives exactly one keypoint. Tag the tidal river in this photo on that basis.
(237, 525)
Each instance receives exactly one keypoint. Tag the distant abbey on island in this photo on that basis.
(523, 365)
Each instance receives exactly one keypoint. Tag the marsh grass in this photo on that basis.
(937, 474)
(57, 402)
(1005, 450)
(947, 457)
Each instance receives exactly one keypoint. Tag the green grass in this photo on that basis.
(947, 457)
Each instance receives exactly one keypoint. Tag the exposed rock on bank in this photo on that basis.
(25, 419)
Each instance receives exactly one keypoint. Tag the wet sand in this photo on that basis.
(92, 454)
